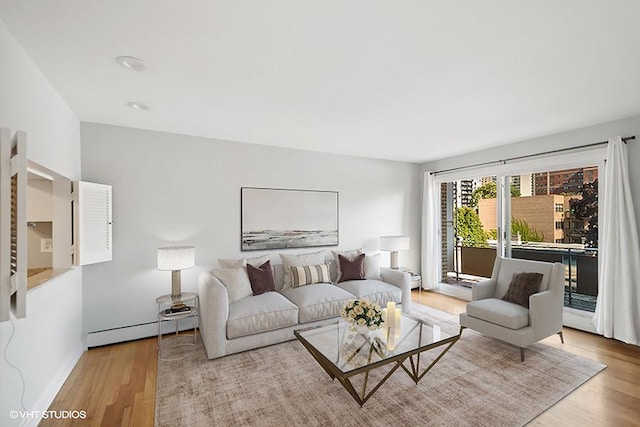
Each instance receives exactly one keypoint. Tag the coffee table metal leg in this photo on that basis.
(414, 373)
(383, 380)
(361, 398)
(346, 383)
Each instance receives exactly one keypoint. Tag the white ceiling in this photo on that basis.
(406, 80)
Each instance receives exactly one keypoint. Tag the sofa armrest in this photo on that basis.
(214, 312)
(545, 313)
(483, 289)
(401, 280)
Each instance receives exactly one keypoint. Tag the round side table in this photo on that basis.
(176, 346)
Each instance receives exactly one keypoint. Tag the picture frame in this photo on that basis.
(275, 218)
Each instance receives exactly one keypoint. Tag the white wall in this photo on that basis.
(39, 200)
(171, 188)
(48, 342)
(587, 135)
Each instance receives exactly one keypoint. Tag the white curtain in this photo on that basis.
(430, 234)
(618, 304)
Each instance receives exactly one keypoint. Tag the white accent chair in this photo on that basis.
(489, 314)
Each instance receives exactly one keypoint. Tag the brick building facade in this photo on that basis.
(546, 214)
(568, 181)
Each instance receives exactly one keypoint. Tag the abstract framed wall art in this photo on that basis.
(273, 218)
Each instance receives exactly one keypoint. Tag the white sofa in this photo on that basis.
(270, 318)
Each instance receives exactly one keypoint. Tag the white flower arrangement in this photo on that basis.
(361, 312)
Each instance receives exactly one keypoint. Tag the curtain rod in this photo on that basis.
(503, 161)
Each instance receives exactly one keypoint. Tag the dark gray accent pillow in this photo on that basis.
(522, 286)
(261, 278)
(352, 269)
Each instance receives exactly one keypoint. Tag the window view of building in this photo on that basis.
(568, 181)
(554, 217)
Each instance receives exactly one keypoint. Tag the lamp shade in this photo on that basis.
(176, 257)
(394, 243)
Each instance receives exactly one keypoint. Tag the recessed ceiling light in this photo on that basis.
(131, 63)
(141, 106)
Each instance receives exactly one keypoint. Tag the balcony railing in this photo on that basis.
(581, 267)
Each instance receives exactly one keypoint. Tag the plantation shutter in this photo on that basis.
(5, 224)
(13, 248)
(94, 240)
(14, 231)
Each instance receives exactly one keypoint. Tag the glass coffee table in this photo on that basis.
(344, 354)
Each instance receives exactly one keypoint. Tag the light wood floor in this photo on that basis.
(116, 385)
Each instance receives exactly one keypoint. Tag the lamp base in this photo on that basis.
(176, 291)
(394, 260)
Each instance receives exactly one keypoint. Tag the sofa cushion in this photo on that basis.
(242, 262)
(349, 254)
(503, 313)
(373, 290)
(317, 302)
(261, 278)
(522, 286)
(312, 258)
(351, 268)
(236, 281)
(302, 275)
(371, 265)
(260, 313)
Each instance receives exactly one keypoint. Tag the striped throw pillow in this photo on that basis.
(309, 274)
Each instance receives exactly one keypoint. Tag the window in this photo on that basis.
(468, 229)
(573, 240)
(538, 228)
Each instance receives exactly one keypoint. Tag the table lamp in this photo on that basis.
(394, 244)
(175, 259)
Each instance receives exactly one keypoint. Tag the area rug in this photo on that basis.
(479, 382)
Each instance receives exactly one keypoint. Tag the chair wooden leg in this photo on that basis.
(561, 337)
(522, 354)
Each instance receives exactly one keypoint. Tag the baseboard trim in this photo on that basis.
(53, 388)
(126, 333)
(578, 319)
(453, 291)
(132, 333)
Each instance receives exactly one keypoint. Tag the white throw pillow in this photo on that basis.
(233, 263)
(312, 258)
(242, 262)
(371, 265)
(236, 280)
(347, 254)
